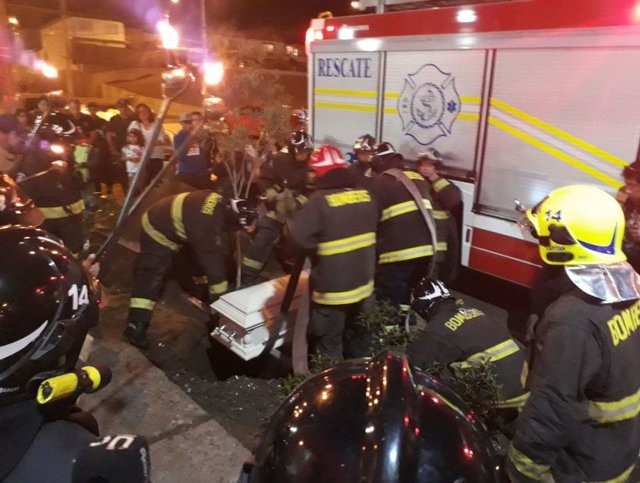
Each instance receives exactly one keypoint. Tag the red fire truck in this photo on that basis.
(519, 97)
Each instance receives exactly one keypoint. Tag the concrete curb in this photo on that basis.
(186, 443)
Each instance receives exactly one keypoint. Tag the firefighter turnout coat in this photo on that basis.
(457, 336)
(581, 420)
(196, 219)
(338, 225)
(402, 233)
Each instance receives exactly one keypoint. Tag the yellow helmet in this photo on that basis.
(578, 225)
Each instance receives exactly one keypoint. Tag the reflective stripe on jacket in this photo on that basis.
(402, 232)
(581, 420)
(338, 225)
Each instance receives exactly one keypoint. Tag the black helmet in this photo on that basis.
(364, 143)
(243, 213)
(385, 157)
(374, 420)
(427, 294)
(300, 141)
(47, 305)
(15, 207)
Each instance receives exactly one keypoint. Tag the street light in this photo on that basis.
(13, 21)
(168, 35)
(213, 73)
(49, 71)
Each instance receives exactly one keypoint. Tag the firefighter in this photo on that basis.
(581, 420)
(457, 336)
(284, 185)
(629, 197)
(197, 219)
(449, 196)
(48, 303)
(49, 179)
(338, 226)
(405, 243)
(363, 152)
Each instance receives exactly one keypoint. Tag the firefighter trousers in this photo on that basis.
(267, 234)
(394, 281)
(69, 229)
(334, 330)
(151, 268)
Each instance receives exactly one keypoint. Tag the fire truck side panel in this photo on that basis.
(557, 117)
(345, 95)
(433, 99)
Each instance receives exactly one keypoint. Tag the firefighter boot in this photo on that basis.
(136, 334)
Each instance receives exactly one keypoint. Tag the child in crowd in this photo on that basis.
(132, 152)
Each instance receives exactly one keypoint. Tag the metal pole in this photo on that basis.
(380, 6)
(205, 43)
(67, 46)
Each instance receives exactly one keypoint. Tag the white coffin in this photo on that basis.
(248, 316)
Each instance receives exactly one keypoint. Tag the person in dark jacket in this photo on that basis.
(52, 184)
(197, 219)
(581, 421)
(458, 335)
(405, 243)
(338, 226)
(284, 187)
(363, 152)
(629, 197)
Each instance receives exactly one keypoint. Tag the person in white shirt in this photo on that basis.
(145, 123)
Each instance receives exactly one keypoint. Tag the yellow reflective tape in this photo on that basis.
(343, 298)
(210, 203)
(139, 303)
(492, 354)
(410, 253)
(403, 208)
(440, 184)
(200, 279)
(54, 212)
(344, 92)
(514, 402)
(615, 411)
(348, 244)
(525, 465)
(219, 288)
(622, 478)
(302, 199)
(557, 132)
(344, 107)
(440, 215)
(248, 262)
(463, 99)
(555, 152)
(156, 235)
(413, 175)
(176, 215)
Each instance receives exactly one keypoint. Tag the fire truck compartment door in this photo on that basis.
(557, 117)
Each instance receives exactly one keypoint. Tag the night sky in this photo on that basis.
(286, 18)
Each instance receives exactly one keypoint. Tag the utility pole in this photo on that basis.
(7, 89)
(67, 48)
(205, 44)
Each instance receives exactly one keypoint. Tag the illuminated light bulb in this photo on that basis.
(168, 35)
(213, 73)
(466, 15)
